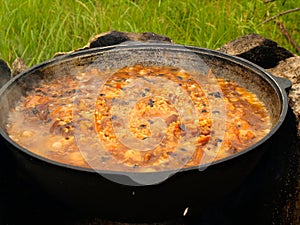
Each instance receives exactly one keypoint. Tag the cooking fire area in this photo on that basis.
(268, 195)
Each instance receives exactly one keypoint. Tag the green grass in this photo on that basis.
(36, 29)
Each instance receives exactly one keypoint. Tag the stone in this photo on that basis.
(290, 69)
(5, 72)
(117, 37)
(257, 49)
(18, 66)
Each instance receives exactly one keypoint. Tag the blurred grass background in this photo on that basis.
(36, 29)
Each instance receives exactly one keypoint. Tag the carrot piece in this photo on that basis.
(56, 110)
(32, 102)
(118, 85)
(250, 135)
(203, 139)
(198, 155)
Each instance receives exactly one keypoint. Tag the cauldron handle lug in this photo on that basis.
(284, 83)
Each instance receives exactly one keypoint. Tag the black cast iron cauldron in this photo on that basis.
(86, 190)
